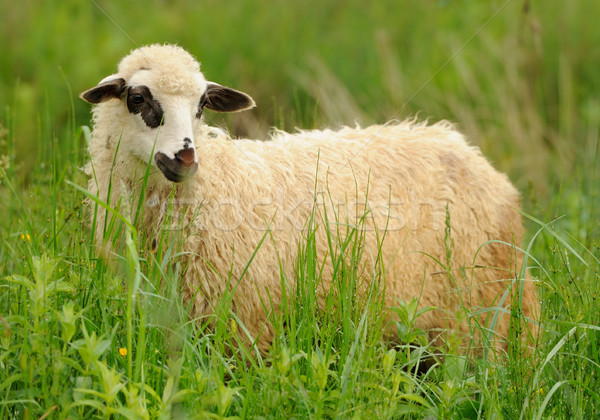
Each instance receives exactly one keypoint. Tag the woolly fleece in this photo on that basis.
(414, 174)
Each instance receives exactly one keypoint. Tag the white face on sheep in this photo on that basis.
(158, 124)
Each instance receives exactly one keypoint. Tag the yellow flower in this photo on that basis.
(233, 326)
(123, 351)
(25, 237)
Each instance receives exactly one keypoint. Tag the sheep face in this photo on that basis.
(158, 120)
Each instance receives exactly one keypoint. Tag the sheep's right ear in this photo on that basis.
(106, 89)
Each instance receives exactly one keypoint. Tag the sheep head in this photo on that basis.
(158, 96)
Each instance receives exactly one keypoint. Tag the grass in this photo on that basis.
(83, 337)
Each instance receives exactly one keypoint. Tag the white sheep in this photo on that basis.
(407, 176)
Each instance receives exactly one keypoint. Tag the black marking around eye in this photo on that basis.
(149, 109)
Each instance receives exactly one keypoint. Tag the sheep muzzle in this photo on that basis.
(179, 168)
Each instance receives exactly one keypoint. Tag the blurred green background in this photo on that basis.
(520, 78)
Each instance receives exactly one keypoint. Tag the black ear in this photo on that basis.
(223, 99)
(105, 90)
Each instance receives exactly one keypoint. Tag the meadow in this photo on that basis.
(81, 337)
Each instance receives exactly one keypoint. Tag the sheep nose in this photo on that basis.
(186, 156)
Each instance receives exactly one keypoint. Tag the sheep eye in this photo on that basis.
(137, 99)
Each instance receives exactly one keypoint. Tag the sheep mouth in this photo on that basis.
(173, 169)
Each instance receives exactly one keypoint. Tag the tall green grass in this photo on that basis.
(84, 337)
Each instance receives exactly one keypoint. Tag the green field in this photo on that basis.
(81, 337)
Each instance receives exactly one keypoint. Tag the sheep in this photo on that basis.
(149, 142)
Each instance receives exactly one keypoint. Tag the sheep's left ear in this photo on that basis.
(223, 99)
(108, 88)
